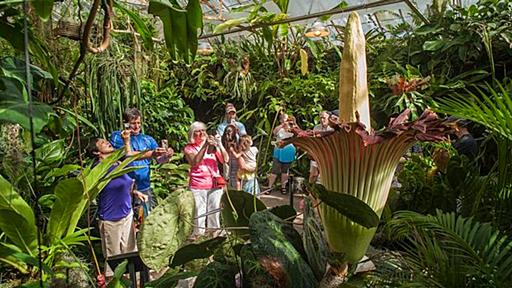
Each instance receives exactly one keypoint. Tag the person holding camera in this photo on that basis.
(283, 155)
(204, 153)
(115, 206)
(139, 143)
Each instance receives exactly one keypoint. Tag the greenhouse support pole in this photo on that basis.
(28, 82)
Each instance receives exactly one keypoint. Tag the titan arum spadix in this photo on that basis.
(355, 160)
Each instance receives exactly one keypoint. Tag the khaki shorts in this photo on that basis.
(117, 237)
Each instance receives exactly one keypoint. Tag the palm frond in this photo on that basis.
(453, 250)
(493, 111)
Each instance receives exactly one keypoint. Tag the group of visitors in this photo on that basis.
(115, 209)
(224, 157)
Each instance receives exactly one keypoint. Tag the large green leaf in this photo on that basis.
(15, 67)
(13, 35)
(196, 251)
(180, 26)
(139, 25)
(50, 153)
(7, 252)
(347, 205)
(217, 275)
(237, 208)
(43, 8)
(166, 229)
(285, 212)
(95, 179)
(283, 5)
(70, 194)
(270, 239)
(14, 107)
(17, 219)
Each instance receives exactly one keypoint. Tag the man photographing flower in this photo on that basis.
(136, 143)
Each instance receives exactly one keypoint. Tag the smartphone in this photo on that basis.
(165, 144)
(126, 125)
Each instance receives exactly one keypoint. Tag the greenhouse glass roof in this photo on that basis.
(375, 13)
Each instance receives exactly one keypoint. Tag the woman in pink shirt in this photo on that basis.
(204, 153)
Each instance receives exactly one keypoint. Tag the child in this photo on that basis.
(247, 165)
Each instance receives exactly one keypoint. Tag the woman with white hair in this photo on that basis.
(204, 153)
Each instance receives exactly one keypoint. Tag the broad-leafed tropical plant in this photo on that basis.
(14, 101)
(353, 159)
(166, 229)
(19, 246)
(180, 26)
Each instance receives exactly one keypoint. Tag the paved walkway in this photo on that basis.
(278, 199)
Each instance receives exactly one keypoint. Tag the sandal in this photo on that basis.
(267, 190)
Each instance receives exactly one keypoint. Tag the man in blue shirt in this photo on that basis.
(140, 143)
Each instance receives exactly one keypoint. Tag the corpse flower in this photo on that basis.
(353, 159)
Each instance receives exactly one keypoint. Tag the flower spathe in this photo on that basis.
(354, 161)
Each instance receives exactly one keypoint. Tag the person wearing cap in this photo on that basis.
(282, 156)
(321, 127)
(230, 118)
(231, 165)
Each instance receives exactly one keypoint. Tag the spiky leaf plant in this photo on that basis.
(446, 250)
(353, 159)
(491, 108)
(166, 229)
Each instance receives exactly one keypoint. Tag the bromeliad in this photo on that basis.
(353, 159)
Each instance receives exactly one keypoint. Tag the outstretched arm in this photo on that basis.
(125, 134)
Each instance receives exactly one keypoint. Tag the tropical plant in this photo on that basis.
(492, 109)
(166, 229)
(14, 102)
(166, 114)
(180, 26)
(355, 162)
(112, 87)
(446, 250)
(72, 195)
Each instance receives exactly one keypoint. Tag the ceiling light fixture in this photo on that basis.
(317, 30)
(204, 48)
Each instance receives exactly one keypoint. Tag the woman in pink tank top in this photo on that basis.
(204, 153)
